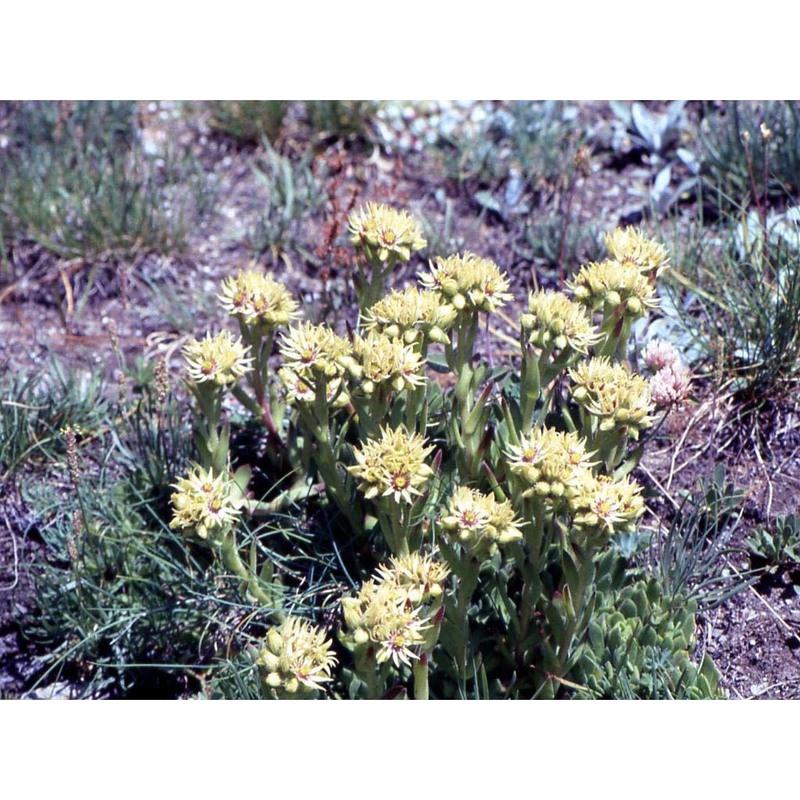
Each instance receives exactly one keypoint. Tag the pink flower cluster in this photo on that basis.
(671, 381)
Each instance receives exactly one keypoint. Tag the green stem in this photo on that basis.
(206, 423)
(394, 521)
(232, 560)
(415, 413)
(369, 671)
(317, 424)
(421, 690)
(534, 511)
(467, 584)
(370, 289)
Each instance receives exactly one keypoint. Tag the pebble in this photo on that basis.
(408, 126)
(478, 114)
(61, 690)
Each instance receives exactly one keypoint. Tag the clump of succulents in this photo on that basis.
(490, 502)
(640, 646)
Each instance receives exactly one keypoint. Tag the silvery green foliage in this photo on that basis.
(655, 133)
(782, 230)
(691, 558)
(663, 195)
(658, 136)
(669, 324)
(737, 158)
(777, 544)
(640, 645)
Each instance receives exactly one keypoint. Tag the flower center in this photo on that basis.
(469, 518)
(400, 481)
(603, 508)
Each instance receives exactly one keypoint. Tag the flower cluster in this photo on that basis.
(381, 617)
(553, 321)
(398, 611)
(479, 522)
(296, 659)
(548, 462)
(204, 505)
(313, 356)
(219, 359)
(610, 286)
(411, 315)
(670, 386)
(601, 506)
(382, 362)
(258, 300)
(659, 354)
(629, 246)
(314, 349)
(671, 382)
(393, 466)
(383, 232)
(468, 283)
(611, 392)
(420, 577)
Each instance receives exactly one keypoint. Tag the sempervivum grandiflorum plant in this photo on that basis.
(493, 498)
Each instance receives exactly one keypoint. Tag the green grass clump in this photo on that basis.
(120, 598)
(340, 119)
(75, 180)
(747, 147)
(248, 121)
(293, 194)
(126, 606)
(737, 294)
(35, 408)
